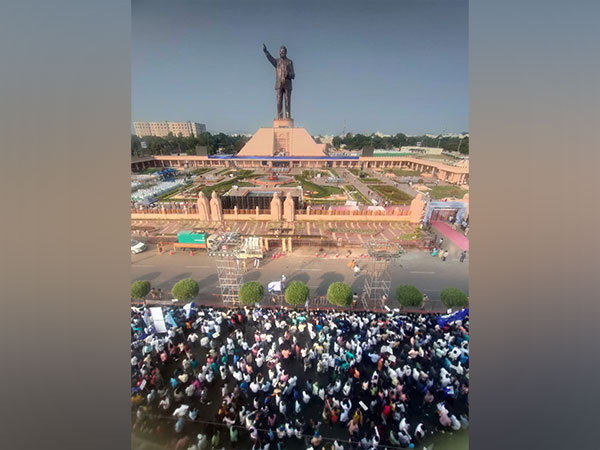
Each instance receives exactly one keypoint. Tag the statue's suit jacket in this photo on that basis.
(285, 72)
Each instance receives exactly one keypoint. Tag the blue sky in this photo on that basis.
(388, 66)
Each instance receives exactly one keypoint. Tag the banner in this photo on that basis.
(159, 319)
(449, 318)
(274, 286)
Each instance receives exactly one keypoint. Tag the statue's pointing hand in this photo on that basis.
(264, 48)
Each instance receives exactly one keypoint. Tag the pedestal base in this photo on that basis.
(283, 123)
(282, 140)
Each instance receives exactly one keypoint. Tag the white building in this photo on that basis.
(163, 129)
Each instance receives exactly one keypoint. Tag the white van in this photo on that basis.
(137, 247)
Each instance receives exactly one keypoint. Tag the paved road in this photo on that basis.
(418, 268)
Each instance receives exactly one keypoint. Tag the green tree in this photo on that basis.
(296, 293)
(251, 293)
(337, 141)
(408, 295)
(339, 294)
(185, 290)
(139, 289)
(136, 146)
(453, 297)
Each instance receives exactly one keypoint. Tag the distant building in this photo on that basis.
(422, 150)
(381, 135)
(326, 139)
(163, 129)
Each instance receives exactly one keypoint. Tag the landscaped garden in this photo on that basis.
(224, 186)
(150, 170)
(391, 194)
(356, 195)
(313, 173)
(313, 190)
(200, 170)
(439, 192)
(325, 201)
(169, 195)
(403, 172)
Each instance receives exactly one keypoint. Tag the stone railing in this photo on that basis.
(179, 210)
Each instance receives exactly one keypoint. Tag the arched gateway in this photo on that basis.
(442, 211)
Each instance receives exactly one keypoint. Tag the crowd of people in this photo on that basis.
(284, 379)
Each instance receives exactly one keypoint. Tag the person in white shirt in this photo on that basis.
(181, 411)
(305, 397)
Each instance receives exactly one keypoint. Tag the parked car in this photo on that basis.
(137, 246)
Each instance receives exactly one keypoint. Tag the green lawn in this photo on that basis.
(320, 191)
(438, 192)
(312, 201)
(166, 197)
(393, 195)
(357, 196)
(355, 172)
(200, 170)
(149, 170)
(371, 180)
(403, 172)
(245, 173)
(224, 186)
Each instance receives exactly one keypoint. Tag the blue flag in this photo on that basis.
(459, 315)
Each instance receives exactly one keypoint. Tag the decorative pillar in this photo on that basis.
(289, 244)
(276, 213)
(257, 211)
(235, 210)
(289, 209)
(267, 244)
(416, 208)
(216, 208)
(283, 245)
(308, 208)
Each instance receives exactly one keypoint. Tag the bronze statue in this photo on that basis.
(283, 83)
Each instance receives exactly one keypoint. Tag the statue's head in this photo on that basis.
(283, 51)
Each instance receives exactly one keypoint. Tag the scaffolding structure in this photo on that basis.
(381, 254)
(226, 249)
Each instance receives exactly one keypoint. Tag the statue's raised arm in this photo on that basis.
(272, 60)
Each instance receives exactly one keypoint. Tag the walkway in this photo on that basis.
(363, 188)
(457, 238)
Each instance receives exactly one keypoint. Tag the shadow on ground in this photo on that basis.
(149, 276)
(300, 276)
(328, 278)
